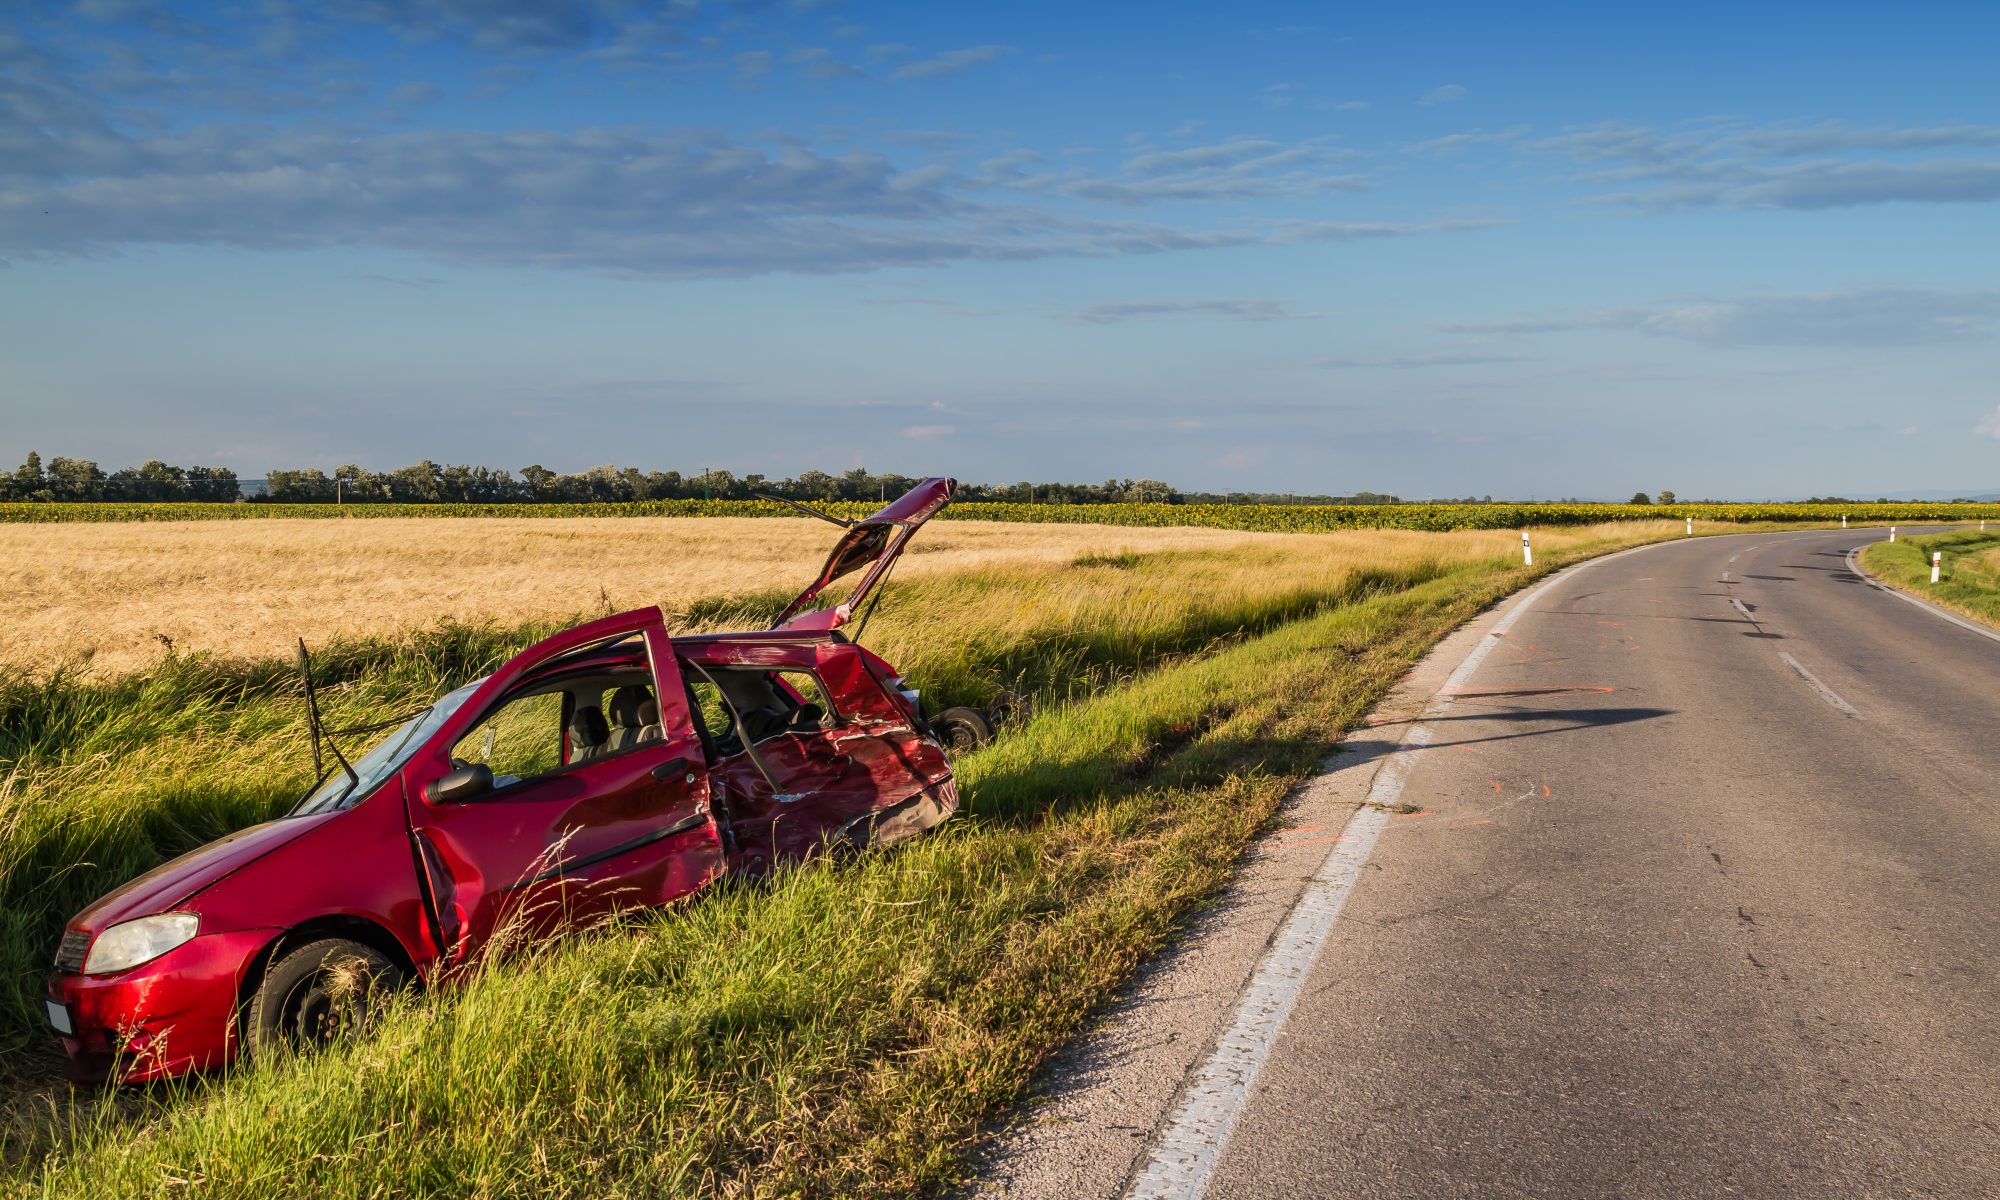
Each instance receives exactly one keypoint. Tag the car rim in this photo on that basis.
(314, 1015)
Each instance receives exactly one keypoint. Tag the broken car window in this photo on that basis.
(384, 758)
(770, 703)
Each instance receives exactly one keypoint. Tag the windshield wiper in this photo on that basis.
(317, 732)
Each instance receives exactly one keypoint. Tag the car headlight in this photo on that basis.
(132, 942)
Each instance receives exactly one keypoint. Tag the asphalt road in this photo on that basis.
(1702, 898)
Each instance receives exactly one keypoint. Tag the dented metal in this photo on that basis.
(638, 807)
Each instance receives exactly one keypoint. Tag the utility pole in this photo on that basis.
(704, 483)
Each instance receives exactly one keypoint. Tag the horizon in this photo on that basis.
(1436, 250)
(256, 487)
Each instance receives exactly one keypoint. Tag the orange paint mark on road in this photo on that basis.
(1422, 812)
(1496, 786)
(1545, 789)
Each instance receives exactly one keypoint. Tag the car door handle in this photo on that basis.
(674, 767)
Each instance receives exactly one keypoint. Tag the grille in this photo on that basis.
(69, 956)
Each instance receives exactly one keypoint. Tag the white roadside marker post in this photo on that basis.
(1843, 520)
(1690, 532)
(1527, 551)
(1937, 560)
(1892, 533)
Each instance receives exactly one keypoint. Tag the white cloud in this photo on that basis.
(1765, 166)
(1866, 316)
(1450, 93)
(1989, 425)
(1420, 361)
(951, 62)
(1231, 310)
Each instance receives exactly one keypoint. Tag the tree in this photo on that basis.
(75, 479)
(29, 483)
(1641, 498)
(1666, 497)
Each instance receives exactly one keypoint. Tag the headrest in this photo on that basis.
(649, 712)
(627, 705)
(587, 728)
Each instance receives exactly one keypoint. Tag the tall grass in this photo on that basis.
(839, 1030)
(1969, 577)
(102, 779)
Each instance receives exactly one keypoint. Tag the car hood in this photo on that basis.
(171, 883)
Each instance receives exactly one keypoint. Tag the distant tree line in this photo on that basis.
(76, 479)
(79, 479)
(430, 483)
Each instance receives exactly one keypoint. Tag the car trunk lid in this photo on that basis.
(872, 544)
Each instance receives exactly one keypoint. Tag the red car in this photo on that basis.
(606, 768)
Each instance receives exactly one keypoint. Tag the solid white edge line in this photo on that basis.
(1825, 693)
(1189, 1145)
(1854, 565)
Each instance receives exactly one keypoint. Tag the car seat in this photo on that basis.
(588, 733)
(631, 706)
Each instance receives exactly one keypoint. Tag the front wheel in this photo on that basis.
(323, 991)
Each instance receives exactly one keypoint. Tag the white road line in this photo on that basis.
(1926, 605)
(1740, 608)
(1189, 1146)
(1825, 693)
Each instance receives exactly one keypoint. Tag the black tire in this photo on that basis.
(960, 729)
(318, 993)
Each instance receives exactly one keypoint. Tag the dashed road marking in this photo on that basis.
(1825, 693)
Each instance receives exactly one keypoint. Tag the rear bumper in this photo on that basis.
(172, 1015)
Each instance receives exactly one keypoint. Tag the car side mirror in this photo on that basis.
(461, 785)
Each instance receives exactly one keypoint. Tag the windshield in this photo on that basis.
(335, 790)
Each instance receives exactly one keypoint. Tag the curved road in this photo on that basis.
(1702, 898)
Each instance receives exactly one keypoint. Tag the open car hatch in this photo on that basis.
(872, 543)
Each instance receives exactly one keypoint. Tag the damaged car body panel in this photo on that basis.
(607, 768)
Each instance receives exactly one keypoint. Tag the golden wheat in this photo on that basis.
(120, 595)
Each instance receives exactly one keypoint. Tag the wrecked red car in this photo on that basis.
(609, 767)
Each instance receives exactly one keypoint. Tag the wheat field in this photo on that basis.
(117, 597)
(120, 595)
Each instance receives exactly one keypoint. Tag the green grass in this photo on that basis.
(1968, 579)
(840, 1030)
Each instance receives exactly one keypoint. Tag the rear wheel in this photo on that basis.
(961, 729)
(322, 991)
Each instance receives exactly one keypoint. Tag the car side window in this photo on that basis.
(705, 699)
(770, 703)
(519, 740)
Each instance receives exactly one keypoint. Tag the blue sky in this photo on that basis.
(1434, 249)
